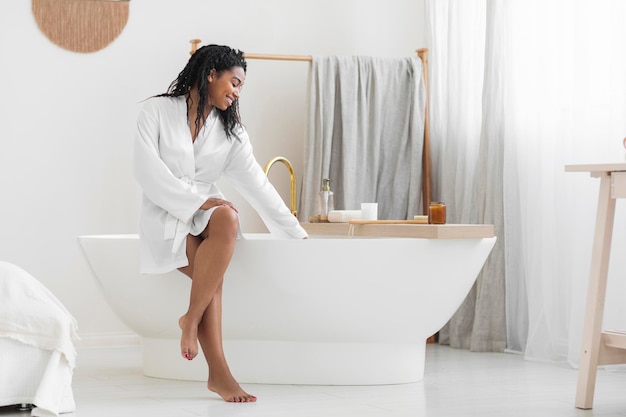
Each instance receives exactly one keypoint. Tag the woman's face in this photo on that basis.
(225, 87)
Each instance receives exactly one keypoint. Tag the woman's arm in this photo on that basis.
(248, 178)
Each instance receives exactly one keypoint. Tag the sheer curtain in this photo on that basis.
(468, 155)
(551, 91)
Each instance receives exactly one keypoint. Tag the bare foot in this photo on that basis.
(230, 391)
(189, 339)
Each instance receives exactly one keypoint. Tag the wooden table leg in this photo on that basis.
(596, 295)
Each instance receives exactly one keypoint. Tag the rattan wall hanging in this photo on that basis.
(81, 25)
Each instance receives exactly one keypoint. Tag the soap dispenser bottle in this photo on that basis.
(325, 200)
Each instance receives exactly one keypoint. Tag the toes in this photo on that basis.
(190, 355)
(242, 399)
(248, 399)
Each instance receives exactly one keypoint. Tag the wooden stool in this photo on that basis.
(600, 347)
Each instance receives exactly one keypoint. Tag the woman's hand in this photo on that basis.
(215, 202)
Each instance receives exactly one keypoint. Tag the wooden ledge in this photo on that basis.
(422, 231)
(596, 168)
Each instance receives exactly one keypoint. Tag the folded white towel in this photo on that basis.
(343, 216)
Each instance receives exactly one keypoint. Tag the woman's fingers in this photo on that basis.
(215, 202)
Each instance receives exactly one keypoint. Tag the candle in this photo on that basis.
(437, 213)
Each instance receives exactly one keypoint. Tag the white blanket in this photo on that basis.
(31, 314)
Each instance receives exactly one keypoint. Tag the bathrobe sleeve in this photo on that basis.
(248, 178)
(175, 195)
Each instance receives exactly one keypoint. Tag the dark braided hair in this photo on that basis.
(196, 73)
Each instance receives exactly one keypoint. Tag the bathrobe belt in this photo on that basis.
(175, 228)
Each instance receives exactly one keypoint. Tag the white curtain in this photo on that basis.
(467, 157)
(520, 89)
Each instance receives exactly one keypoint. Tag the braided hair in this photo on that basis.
(196, 73)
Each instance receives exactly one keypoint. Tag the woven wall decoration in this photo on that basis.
(81, 25)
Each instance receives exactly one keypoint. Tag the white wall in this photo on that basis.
(67, 119)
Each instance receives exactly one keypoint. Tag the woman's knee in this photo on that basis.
(225, 222)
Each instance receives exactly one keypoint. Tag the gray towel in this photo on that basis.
(366, 132)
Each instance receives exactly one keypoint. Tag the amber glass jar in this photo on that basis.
(437, 212)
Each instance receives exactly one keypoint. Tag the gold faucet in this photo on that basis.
(292, 178)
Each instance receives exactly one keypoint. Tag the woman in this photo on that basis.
(187, 138)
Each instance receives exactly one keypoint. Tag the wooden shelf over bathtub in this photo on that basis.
(424, 231)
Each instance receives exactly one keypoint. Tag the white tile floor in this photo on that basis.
(456, 383)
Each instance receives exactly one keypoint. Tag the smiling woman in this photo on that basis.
(187, 139)
(81, 25)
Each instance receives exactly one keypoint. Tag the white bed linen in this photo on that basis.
(37, 354)
(34, 376)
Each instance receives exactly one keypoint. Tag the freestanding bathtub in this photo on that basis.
(326, 310)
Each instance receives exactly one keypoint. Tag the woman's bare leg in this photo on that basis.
(211, 259)
(221, 381)
(209, 329)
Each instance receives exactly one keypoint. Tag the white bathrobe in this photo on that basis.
(177, 176)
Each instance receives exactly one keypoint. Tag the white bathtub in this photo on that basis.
(330, 311)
